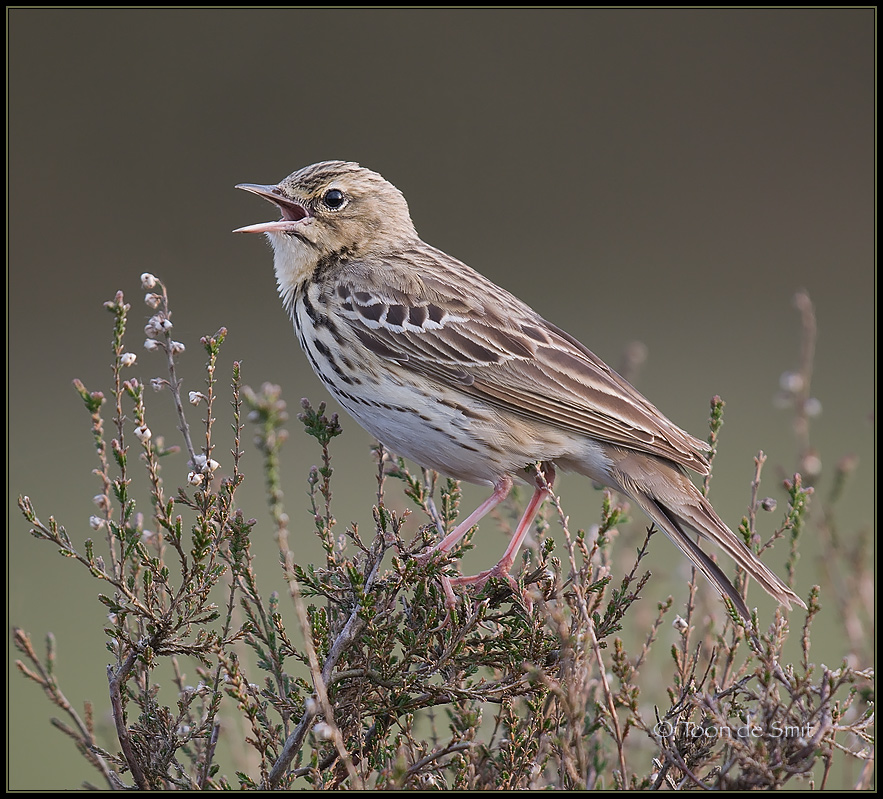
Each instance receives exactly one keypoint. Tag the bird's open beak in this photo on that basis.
(292, 212)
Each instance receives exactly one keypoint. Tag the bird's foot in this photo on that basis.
(424, 558)
(500, 572)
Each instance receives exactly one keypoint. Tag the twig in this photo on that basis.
(115, 680)
(351, 630)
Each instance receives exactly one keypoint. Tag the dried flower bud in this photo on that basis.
(96, 522)
(812, 407)
(128, 359)
(158, 383)
(811, 465)
(195, 478)
(768, 503)
(154, 326)
(152, 301)
(176, 347)
(791, 382)
(148, 281)
(196, 397)
(323, 731)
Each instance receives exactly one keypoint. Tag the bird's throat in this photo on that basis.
(294, 261)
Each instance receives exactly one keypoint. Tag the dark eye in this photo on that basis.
(334, 198)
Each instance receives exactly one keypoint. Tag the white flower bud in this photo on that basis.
(791, 382)
(150, 345)
(153, 328)
(148, 281)
(195, 478)
(196, 397)
(679, 624)
(157, 325)
(199, 462)
(176, 348)
(128, 359)
(812, 407)
(811, 465)
(323, 731)
(152, 301)
(157, 383)
(142, 433)
(213, 465)
(96, 522)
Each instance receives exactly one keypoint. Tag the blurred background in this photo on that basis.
(665, 176)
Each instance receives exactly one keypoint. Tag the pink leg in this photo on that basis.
(503, 567)
(501, 491)
(543, 490)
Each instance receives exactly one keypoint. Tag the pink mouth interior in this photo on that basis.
(292, 212)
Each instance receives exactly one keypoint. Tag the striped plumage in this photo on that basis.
(450, 370)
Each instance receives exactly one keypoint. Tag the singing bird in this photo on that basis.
(448, 369)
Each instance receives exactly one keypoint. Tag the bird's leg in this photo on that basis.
(543, 490)
(501, 491)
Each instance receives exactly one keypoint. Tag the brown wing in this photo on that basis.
(475, 335)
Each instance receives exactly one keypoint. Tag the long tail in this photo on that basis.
(671, 500)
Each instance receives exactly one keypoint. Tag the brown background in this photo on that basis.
(668, 176)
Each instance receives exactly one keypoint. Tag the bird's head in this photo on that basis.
(333, 209)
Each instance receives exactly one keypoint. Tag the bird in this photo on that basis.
(451, 371)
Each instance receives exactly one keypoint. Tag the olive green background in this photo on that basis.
(666, 176)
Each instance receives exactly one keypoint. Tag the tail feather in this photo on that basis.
(671, 500)
(713, 573)
(702, 518)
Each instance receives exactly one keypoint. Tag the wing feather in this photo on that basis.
(520, 364)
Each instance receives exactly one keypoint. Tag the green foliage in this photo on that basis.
(362, 677)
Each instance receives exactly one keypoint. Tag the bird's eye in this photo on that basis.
(334, 199)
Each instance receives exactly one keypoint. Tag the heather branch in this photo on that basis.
(350, 632)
